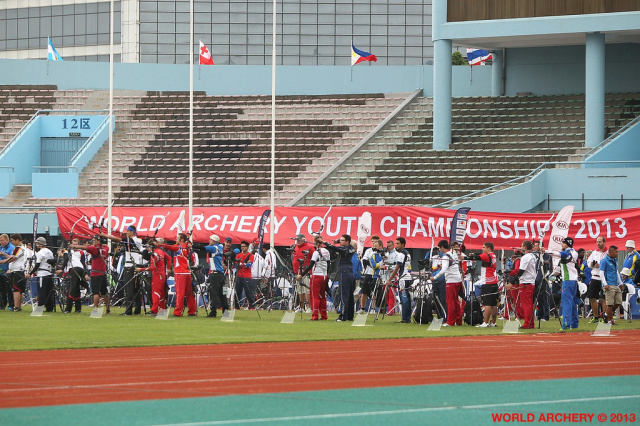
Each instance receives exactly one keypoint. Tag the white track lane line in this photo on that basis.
(403, 411)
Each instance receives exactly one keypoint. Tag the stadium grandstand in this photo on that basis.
(272, 159)
(554, 102)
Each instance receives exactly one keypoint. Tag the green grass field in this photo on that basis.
(19, 331)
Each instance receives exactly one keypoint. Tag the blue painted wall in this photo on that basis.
(625, 147)
(243, 80)
(24, 154)
(561, 70)
(540, 70)
(23, 224)
(55, 185)
(7, 180)
(602, 188)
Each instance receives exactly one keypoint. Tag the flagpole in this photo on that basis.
(191, 117)
(109, 180)
(272, 238)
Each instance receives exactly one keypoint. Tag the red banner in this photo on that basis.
(417, 224)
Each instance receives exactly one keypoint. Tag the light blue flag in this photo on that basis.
(53, 54)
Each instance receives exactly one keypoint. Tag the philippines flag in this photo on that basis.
(358, 56)
(205, 55)
(53, 54)
(477, 56)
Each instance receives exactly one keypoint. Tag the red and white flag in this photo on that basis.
(205, 55)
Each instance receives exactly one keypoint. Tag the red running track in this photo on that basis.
(104, 375)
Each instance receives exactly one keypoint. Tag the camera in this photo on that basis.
(305, 251)
(380, 251)
(423, 263)
(228, 254)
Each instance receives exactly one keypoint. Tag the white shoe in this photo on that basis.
(493, 324)
(361, 311)
(483, 325)
(296, 310)
(445, 325)
(307, 311)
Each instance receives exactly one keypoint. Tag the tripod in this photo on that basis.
(138, 294)
(421, 294)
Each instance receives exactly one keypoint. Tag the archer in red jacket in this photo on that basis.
(159, 263)
(183, 260)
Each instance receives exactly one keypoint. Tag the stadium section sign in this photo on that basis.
(416, 224)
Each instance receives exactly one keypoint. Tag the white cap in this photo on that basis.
(625, 271)
(215, 238)
(630, 243)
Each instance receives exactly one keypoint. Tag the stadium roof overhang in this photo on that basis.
(544, 31)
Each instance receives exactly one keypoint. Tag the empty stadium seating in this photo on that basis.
(493, 140)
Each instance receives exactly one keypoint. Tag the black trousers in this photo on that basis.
(76, 276)
(6, 292)
(440, 289)
(542, 293)
(216, 295)
(132, 295)
(46, 296)
(249, 286)
(347, 287)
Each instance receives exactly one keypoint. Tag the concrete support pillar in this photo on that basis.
(594, 89)
(496, 73)
(441, 79)
(130, 34)
(442, 95)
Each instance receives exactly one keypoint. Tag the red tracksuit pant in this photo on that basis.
(391, 301)
(158, 292)
(183, 288)
(454, 307)
(525, 304)
(318, 285)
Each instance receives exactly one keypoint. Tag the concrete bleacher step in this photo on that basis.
(494, 140)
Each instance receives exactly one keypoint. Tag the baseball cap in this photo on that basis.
(215, 238)
(630, 243)
(568, 241)
(228, 239)
(300, 237)
(41, 240)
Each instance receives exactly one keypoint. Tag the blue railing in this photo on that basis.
(90, 141)
(55, 169)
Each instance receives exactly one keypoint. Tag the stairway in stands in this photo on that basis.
(232, 145)
(493, 140)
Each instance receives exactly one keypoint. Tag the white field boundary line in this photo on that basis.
(25, 387)
(404, 411)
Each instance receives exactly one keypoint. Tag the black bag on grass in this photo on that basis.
(424, 310)
(473, 311)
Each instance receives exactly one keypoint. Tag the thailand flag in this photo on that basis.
(477, 56)
(205, 55)
(358, 56)
(53, 54)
